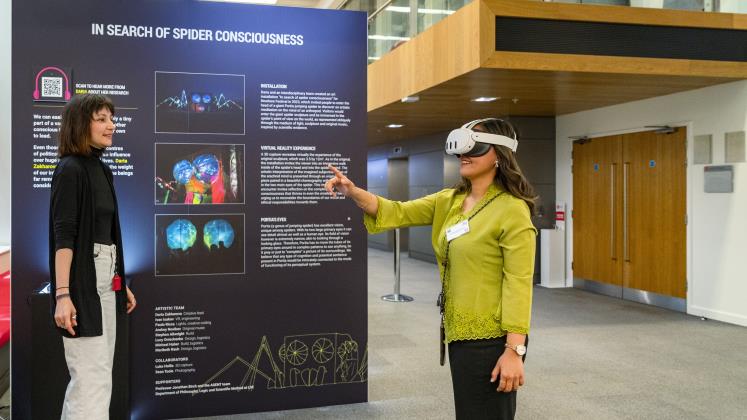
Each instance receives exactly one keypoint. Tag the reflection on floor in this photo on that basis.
(591, 357)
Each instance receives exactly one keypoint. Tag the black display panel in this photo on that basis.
(250, 279)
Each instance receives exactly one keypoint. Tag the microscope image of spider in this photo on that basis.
(199, 103)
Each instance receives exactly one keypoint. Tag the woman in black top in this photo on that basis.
(86, 264)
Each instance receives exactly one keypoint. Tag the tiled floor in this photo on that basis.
(591, 357)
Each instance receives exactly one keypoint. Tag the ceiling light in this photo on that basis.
(410, 99)
(485, 99)
(400, 9)
(389, 38)
(395, 126)
(403, 9)
(436, 11)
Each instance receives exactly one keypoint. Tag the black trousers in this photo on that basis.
(475, 397)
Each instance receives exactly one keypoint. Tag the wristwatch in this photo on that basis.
(520, 349)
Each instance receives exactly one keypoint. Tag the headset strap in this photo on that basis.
(470, 125)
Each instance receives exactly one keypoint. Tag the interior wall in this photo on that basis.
(426, 176)
(399, 190)
(389, 178)
(5, 60)
(378, 176)
(717, 226)
(536, 157)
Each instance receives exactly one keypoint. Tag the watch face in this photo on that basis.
(521, 349)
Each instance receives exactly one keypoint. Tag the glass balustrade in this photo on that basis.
(393, 22)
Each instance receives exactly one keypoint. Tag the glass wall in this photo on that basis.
(393, 22)
(389, 28)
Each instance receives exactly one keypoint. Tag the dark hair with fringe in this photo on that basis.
(75, 128)
(508, 174)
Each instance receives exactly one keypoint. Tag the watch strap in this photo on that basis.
(515, 348)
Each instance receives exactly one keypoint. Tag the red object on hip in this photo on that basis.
(116, 283)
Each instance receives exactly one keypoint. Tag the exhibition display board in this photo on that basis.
(250, 278)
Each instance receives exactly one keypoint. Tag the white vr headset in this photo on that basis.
(464, 141)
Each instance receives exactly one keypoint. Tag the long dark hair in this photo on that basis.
(508, 174)
(75, 128)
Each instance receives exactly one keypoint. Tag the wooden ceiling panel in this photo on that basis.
(538, 93)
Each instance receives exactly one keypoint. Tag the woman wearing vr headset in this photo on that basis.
(484, 242)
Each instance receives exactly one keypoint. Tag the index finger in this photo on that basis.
(334, 170)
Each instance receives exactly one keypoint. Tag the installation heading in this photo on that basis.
(192, 34)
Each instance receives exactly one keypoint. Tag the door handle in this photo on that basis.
(626, 251)
(613, 231)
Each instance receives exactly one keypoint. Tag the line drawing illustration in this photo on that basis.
(306, 360)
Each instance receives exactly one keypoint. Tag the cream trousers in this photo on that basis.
(90, 359)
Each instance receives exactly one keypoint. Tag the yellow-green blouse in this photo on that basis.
(489, 280)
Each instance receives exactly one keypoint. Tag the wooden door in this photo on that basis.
(654, 213)
(629, 211)
(597, 209)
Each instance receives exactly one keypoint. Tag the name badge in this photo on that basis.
(457, 230)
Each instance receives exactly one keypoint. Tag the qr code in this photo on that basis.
(51, 87)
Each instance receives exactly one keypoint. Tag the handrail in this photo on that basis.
(372, 15)
(379, 10)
